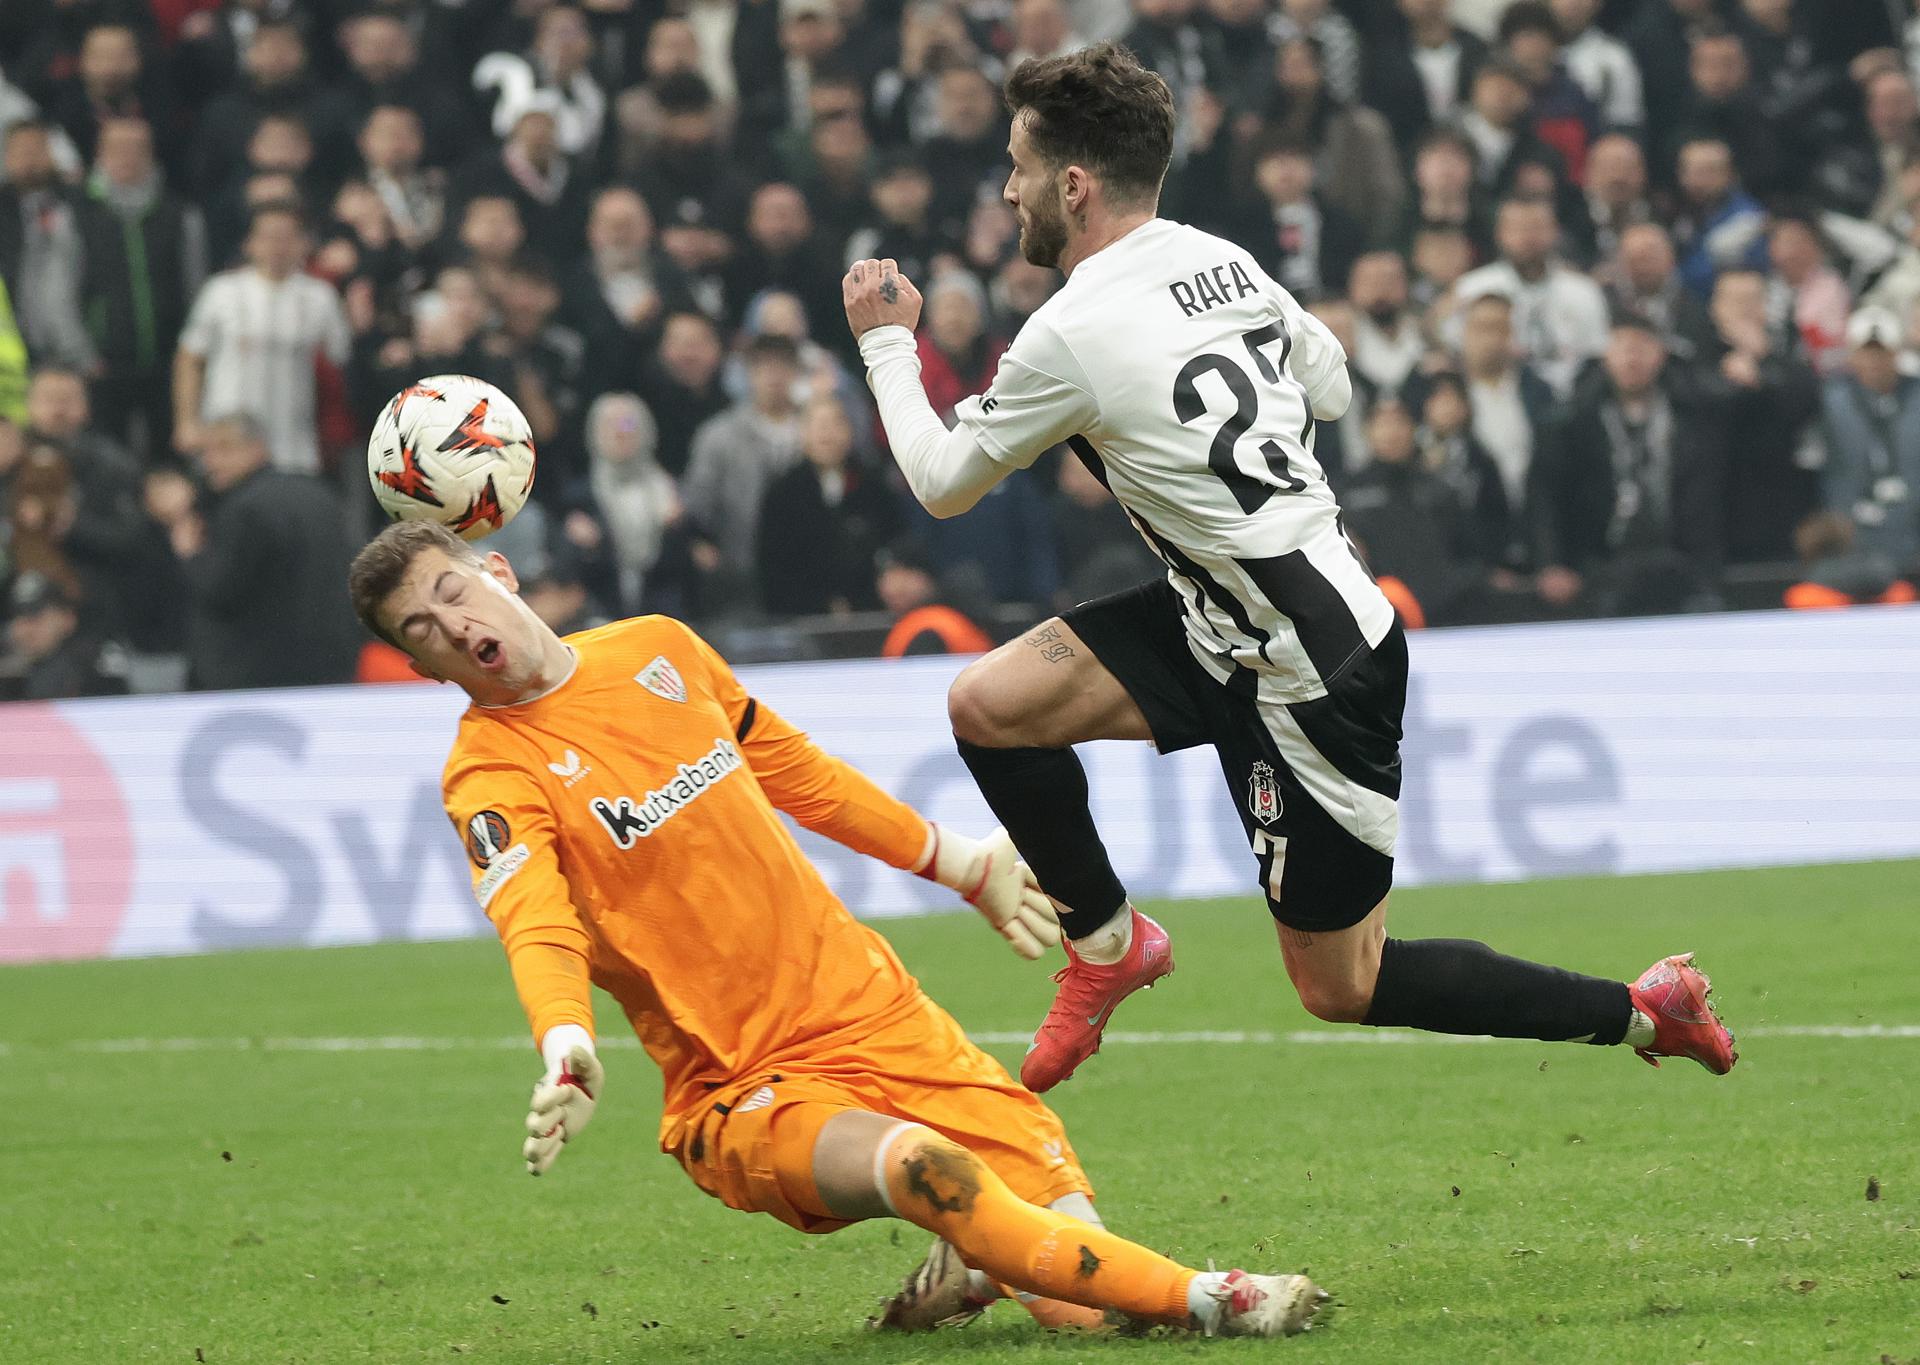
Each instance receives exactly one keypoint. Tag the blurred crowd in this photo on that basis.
(1629, 288)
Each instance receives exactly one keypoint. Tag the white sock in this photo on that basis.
(1204, 1298)
(982, 1289)
(1639, 1031)
(1109, 943)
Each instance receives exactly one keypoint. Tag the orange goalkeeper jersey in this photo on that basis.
(623, 830)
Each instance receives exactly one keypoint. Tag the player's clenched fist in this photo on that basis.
(878, 295)
(563, 1101)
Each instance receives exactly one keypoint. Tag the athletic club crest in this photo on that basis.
(1263, 794)
(662, 679)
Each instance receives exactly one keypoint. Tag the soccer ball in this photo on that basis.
(453, 449)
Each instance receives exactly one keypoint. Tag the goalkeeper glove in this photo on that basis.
(990, 877)
(563, 1100)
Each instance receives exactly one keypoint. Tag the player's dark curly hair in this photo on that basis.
(380, 567)
(1101, 109)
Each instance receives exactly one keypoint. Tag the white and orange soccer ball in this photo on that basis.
(453, 449)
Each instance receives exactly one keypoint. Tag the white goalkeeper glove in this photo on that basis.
(563, 1100)
(990, 877)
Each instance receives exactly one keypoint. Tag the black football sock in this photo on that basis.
(1453, 985)
(1040, 796)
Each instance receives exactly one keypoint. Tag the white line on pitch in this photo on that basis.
(1117, 1037)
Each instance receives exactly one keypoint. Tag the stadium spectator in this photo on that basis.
(1721, 104)
(1331, 32)
(97, 535)
(1239, 46)
(1491, 531)
(531, 171)
(1644, 281)
(1770, 397)
(958, 356)
(48, 655)
(1630, 490)
(1893, 121)
(1404, 516)
(1420, 75)
(1720, 224)
(1445, 192)
(1496, 124)
(42, 250)
(280, 145)
(1511, 404)
(1616, 193)
(559, 597)
(1872, 425)
(1388, 343)
(275, 78)
(623, 522)
(1601, 64)
(145, 253)
(734, 457)
(899, 225)
(1291, 229)
(252, 340)
(619, 295)
(544, 359)
(1821, 303)
(262, 566)
(1441, 256)
(1559, 314)
(967, 154)
(681, 384)
(1562, 115)
(782, 252)
(930, 617)
(822, 522)
(384, 67)
(686, 173)
(554, 75)
(1354, 157)
(1100, 551)
(17, 106)
(392, 146)
(112, 80)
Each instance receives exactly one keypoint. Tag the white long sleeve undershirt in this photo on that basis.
(947, 470)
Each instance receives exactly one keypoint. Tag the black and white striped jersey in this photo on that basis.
(1186, 378)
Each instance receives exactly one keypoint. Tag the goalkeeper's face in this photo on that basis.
(462, 621)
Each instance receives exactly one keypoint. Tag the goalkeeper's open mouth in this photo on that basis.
(489, 655)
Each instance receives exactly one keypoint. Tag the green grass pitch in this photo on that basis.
(242, 1201)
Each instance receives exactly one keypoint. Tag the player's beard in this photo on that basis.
(1043, 237)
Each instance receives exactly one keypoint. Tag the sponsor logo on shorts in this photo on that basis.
(1054, 1152)
(1263, 794)
(627, 821)
(662, 679)
(496, 875)
(487, 836)
(759, 1099)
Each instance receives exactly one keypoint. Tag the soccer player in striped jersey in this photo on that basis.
(1190, 384)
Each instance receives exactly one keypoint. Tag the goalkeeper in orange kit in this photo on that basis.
(619, 795)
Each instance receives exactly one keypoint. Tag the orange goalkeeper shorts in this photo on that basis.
(921, 1068)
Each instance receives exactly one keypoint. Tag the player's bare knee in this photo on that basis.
(1338, 1000)
(978, 709)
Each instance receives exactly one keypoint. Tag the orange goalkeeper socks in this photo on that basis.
(940, 1186)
